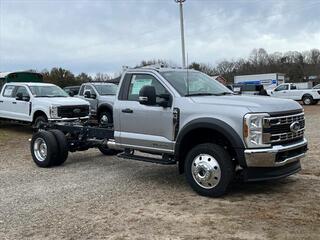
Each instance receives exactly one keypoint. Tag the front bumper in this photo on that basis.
(273, 163)
(67, 119)
(276, 156)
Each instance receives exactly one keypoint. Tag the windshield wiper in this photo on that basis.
(43, 96)
(224, 93)
(199, 94)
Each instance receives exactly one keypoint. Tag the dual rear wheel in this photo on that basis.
(49, 148)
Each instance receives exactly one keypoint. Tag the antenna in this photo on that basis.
(187, 74)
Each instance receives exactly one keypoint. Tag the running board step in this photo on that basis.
(147, 159)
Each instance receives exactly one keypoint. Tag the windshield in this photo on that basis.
(106, 89)
(47, 91)
(190, 83)
(317, 86)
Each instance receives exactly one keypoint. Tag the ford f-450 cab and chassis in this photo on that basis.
(185, 117)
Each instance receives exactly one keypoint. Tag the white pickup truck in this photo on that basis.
(290, 91)
(35, 103)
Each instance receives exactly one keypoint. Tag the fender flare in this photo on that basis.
(105, 106)
(217, 125)
(306, 95)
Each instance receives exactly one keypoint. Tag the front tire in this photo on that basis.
(105, 118)
(209, 169)
(307, 100)
(44, 149)
(40, 120)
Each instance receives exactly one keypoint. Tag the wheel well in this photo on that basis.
(203, 135)
(306, 95)
(37, 114)
(104, 108)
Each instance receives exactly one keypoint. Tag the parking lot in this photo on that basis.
(93, 196)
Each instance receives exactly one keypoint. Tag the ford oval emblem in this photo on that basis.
(76, 110)
(295, 127)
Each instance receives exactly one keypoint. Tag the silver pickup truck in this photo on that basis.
(101, 96)
(184, 117)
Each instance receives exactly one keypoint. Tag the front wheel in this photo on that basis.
(39, 121)
(307, 100)
(105, 118)
(209, 169)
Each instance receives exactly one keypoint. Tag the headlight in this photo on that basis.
(54, 112)
(253, 130)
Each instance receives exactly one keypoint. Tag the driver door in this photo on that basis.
(281, 91)
(141, 126)
(22, 107)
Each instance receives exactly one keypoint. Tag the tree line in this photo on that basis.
(297, 66)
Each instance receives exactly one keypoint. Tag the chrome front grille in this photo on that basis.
(284, 129)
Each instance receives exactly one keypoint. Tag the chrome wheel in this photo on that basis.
(206, 171)
(104, 119)
(40, 149)
(307, 101)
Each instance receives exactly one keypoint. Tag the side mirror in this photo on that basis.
(71, 93)
(19, 96)
(26, 98)
(166, 100)
(147, 95)
(87, 94)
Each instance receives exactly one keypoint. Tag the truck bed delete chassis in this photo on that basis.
(82, 136)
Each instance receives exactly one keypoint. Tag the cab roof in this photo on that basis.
(31, 84)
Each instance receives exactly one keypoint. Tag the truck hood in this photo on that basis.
(61, 101)
(107, 98)
(253, 103)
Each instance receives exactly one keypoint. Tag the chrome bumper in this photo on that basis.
(67, 119)
(276, 156)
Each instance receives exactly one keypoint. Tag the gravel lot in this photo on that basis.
(94, 197)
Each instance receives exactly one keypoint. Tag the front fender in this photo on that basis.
(217, 125)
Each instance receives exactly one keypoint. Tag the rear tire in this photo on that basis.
(209, 169)
(44, 149)
(62, 147)
(307, 100)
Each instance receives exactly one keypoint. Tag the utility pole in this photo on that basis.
(180, 2)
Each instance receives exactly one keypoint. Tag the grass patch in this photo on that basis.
(3, 135)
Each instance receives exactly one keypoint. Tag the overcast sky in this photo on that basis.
(103, 35)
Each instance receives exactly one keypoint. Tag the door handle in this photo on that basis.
(1, 101)
(14, 102)
(127, 110)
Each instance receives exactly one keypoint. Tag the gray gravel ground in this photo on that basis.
(96, 197)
